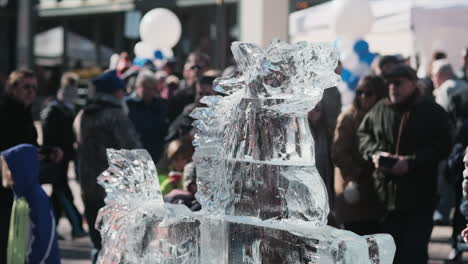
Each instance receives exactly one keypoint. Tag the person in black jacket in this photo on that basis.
(196, 65)
(406, 137)
(17, 127)
(57, 126)
(101, 125)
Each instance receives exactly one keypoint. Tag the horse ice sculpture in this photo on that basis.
(263, 200)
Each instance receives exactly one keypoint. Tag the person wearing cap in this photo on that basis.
(102, 124)
(405, 137)
(388, 63)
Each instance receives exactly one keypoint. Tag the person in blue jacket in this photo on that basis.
(23, 164)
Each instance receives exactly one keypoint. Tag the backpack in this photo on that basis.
(18, 237)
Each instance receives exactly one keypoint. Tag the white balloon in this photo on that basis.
(350, 60)
(167, 52)
(362, 69)
(353, 18)
(143, 50)
(160, 28)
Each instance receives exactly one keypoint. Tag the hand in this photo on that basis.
(401, 166)
(464, 234)
(376, 157)
(57, 154)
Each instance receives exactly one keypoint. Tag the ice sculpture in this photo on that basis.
(263, 200)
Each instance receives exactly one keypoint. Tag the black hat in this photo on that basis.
(388, 59)
(108, 83)
(402, 71)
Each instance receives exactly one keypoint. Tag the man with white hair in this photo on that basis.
(448, 91)
(148, 113)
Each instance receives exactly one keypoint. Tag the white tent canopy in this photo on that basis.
(49, 48)
(401, 27)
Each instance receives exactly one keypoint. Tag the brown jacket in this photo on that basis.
(351, 166)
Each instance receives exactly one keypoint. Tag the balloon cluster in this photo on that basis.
(353, 20)
(160, 30)
(356, 63)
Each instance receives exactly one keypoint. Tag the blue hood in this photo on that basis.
(23, 163)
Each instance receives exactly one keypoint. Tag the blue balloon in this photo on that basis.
(346, 75)
(361, 47)
(158, 55)
(349, 78)
(353, 84)
(140, 61)
(368, 58)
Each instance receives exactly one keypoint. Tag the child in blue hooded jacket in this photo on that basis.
(23, 169)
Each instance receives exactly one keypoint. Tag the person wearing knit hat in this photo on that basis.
(102, 124)
(109, 83)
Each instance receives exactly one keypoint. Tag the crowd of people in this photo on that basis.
(382, 158)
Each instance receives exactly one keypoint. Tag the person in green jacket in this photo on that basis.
(405, 136)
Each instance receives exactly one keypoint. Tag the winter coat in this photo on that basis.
(17, 127)
(418, 129)
(151, 123)
(320, 133)
(57, 126)
(43, 241)
(99, 126)
(350, 166)
(17, 123)
(185, 95)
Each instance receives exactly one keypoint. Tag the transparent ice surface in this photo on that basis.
(262, 198)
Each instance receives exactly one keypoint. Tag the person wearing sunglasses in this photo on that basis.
(196, 65)
(355, 199)
(405, 136)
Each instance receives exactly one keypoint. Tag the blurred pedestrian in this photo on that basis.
(197, 63)
(148, 113)
(186, 195)
(179, 154)
(170, 87)
(160, 81)
(320, 133)
(455, 165)
(182, 125)
(357, 206)
(464, 68)
(17, 127)
(448, 89)
(33, 238)
(464, 204)
(101, 125)
(331, 104)
(406, 137)
(57, 128)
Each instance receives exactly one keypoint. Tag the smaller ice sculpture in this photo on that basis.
(136, 225)
(262, 197)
